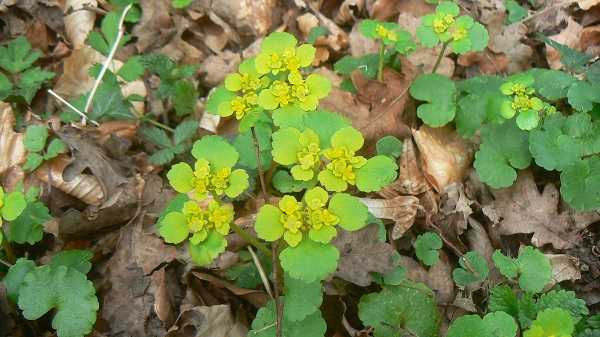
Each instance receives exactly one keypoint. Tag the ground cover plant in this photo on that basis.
(196, 169)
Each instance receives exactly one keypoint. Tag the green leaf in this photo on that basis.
(185, 98)
(463, 276)
(27, 227)
(440, 93)
(368, 65)
(35, 138)
(5, 83)
(325, 124)
(426, 247)
(208, 249)
(565, 300)
(285, 183)
(481, 85)
(244, 144)
(571, 59)
(66, 289)
(503, 298)
(132, 70)
(158, 64)
(353, 214)
(77, 259)
(592, 72)
(175, 205)
(14, 204)
(301, 298)
(262, 326)
(179, 4)
(553, 84)
(594, 322)
(580, 184)
(245, 274)
(396, 277)
(378, 172)
(493, 324)
(527, 310)
(185, 131)
(467, 326)
(34, 160)
(583, 95)
(179, 177)
(157, 136)
(552, 149)
(389, 146)
(508, 266)
(346, 65)
(108, 103)
(470, 114)
(535, 270)
(17, 56)
(98, 43)
(33, 77)
(15, 277)
(166, 155)
(174, 227)
(217, 151)
(309, 261)
(268, 225)
(497, 159)
(515, 11)
(54, 148)
(408, 306)
(316, 32)
(551, 322)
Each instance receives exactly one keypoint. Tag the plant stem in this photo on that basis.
(250, 239)
(6, 245)
(153, 122)
(274, 260)
(380, 69)
(439, 59)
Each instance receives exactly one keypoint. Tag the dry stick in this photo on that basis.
(6, 263)
(274, 263)
(70, 106)
(261, 271)
(448, 243)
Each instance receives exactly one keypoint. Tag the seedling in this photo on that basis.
(35, 141)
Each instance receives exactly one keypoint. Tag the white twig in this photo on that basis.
(109, 59)
(261, 271)
(70, 106)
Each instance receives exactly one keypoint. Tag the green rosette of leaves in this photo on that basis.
(462, 33)
(308, 228)
(212, 173)
(11, 205)
(521, 101)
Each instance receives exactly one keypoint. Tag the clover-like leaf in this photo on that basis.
(426, 247)
(440, 93)
(497, 159)
(66, 289)
(301, 298)
(77, 259)
(406, 306)
(353, 214)
(217, 151)
(208, 249)
(15, 277)
(378, 172)
(311, 326)
(310, 261)
(28, 226)
(551, 322)
(552, 149)
(580, 184)
(582, 95)
(463, 276)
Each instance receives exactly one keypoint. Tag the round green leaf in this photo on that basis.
(479, 37)
(389, 146)
(426, 35)
(551, 322)
(66, 289)
(500, 324)
(77, 259)
(180, 176)
(217, 151)
(285, 183)
(440, 93)
(508, 266)
(353, 214)
(320, 86)
(535, 270)
(467, 326)
(238, 183)
(378, 172)
(331, 182)
(174, 227)
(310, 261)
(277, 42)
(15, 277)
(551, 149)
(323, 234)
(268, 224)
(220, 96)
(528, 119)
(463, 276)
(348, 137)
(580, 184)
(14, 205)
(311, 326)
(301, 298)
(289, 116)
(35, 138)
(208, 249)
(286, 146)
(325, 124)
(407, 306)
(426, 247)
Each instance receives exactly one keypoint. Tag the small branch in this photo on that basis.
(109, 59)
(448, 243)
(261, 272)
(70, 106)
(439, 59)
(6, 263)
(250, 239)
(9, 253)
(265, 328)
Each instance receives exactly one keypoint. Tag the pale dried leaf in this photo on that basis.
(483, 63)
(258, 298)
(401, 209)
(410, 180)
(251, 18)
(80, 21)
(216, 320)
(525, 210)
(564, 268)
(569, 36)
(587, 4)
(590, 40)
(13, 151)
(84, 187)
(446, 156)
(349, 11)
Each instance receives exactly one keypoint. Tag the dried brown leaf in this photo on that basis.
(564, 268)
(446, 156)
(257, 298)
(401, 209)
(569, 36)
(587, 4)
(12, 151)
(410, 180)
(251, 18)
(525, 210)
(79, 22)
(216, 320)
(361, 253)
(483, 63)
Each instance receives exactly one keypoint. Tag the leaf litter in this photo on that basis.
(104, 193)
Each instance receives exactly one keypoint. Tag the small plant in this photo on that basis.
(35, 141)
(18, 59)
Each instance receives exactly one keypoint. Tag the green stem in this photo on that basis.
(380, 69)
(439, 59)
(153, 122)
(311, 184)
(250, 239)
(9, 253)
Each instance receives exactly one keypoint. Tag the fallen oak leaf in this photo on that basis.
(401, 209)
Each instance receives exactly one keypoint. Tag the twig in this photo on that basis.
(70, 106)
(6, 263)
(547, 9)
(261, 271)
(274, 245)
(448, 243)
(109, 59)
(265, 328)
